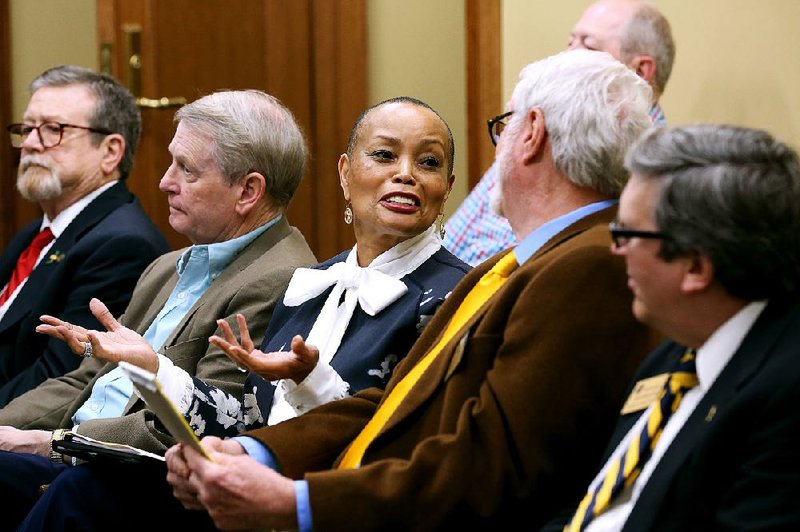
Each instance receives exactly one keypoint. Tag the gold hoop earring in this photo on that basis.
(440, 225)
(348, 214)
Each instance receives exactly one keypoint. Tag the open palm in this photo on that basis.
(115, 344)
(295, 364)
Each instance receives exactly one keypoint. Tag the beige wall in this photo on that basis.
(46, 33)
(416, 48)
(737, 61)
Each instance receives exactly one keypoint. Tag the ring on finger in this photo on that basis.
(87, 350)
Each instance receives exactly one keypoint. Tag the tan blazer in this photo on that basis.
(250, 285)
(509, 422)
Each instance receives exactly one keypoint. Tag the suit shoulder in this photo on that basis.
(129, 219)
(442, 271)
(275, 264)
(584, 252)
(134, 212)
(163, 265)
(290, 252)
(444, 263)
(341, 257)
(445, 259)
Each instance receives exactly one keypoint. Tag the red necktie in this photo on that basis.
(26, 262)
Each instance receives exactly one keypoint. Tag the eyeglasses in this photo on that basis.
(621, 236)
(497, 125)
(50, 133)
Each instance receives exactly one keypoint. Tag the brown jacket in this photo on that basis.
(251, 284)
(510, 420)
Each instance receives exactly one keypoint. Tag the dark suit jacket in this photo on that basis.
(251, 284)
(105, 249)
(509, 421)
(735, 464)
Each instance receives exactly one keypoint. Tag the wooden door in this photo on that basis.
(310, 55)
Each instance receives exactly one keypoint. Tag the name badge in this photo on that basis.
(644, 393)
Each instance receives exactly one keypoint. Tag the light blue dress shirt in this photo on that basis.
(525, 250)
(197, 268)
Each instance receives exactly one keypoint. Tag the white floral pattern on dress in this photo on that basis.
(252, 414)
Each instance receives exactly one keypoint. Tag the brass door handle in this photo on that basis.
(133, 77)
(161, 103)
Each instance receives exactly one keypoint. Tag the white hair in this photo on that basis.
(594, 108)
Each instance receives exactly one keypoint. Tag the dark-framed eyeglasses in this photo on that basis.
(620, 236)
(497, 125)
(50, 133)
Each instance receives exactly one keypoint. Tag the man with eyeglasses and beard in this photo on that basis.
(78, 137)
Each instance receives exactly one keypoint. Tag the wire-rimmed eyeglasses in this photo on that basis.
(497, 125)
(50, 133)
(620, 236)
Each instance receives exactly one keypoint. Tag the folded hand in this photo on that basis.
(237, 491)
(179, 471)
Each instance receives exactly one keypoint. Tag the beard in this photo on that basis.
(37, 180)
(496, 194)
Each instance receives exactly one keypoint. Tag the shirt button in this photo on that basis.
(182, 295)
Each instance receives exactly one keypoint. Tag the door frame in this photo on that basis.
(483, 62)
(8, 191)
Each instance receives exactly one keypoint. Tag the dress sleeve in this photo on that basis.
(321, 386)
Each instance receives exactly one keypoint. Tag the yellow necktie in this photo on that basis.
(480, 294)
(626, 467)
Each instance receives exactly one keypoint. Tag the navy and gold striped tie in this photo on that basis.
(626, 467)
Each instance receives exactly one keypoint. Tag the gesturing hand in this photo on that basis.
(295, 364)
(119, 343)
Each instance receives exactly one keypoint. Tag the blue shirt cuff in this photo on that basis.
(303, 506)
(258, 452)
